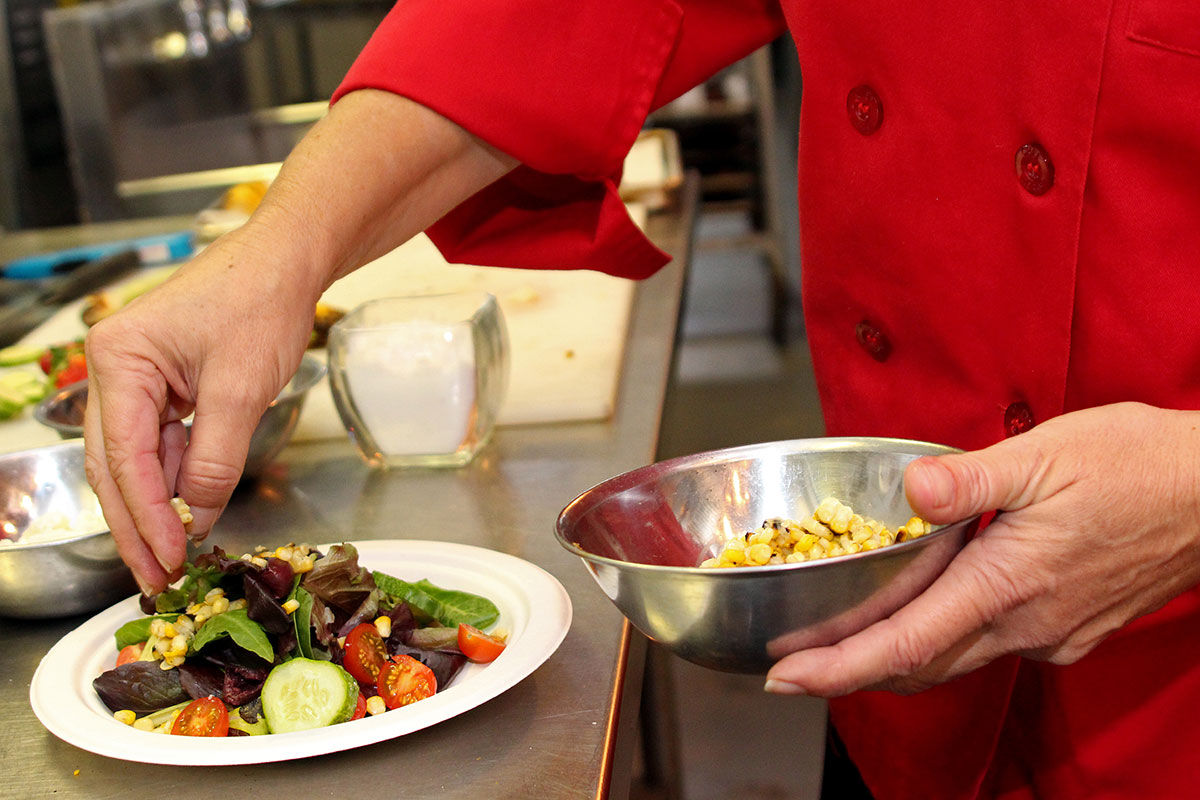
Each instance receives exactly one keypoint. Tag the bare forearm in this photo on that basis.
(377, 170)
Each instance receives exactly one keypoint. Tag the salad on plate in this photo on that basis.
(290, 640)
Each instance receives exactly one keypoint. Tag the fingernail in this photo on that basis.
(776, 686)
(167, 568)
(147, 589)
(939, 482)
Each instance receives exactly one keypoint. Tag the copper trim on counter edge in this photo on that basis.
(614, 713)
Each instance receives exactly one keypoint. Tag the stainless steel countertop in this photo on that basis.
(567, 731)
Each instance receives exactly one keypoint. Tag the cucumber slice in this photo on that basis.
(11, 402)
(302, 693)
(20, 354)
(26, 384)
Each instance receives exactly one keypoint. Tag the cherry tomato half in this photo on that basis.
(365, 654)
(75, 370)
(360, 710)
(477, 645)
(405, 680)
(130, 653)
(204, 717)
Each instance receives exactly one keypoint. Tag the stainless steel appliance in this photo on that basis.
(166, 102)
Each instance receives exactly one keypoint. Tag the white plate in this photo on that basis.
(534, 608)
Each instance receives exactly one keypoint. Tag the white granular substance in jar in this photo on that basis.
(413, 386)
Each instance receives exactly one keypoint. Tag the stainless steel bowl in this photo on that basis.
(65, 576)
(63, 411)
(641, 535)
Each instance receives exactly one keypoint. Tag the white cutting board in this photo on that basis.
(567, 332)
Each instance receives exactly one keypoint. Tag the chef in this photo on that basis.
(1000, 224)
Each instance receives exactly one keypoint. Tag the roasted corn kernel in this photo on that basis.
(832, 530)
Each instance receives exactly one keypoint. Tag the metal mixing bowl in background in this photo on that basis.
(63, 411)
(61, 577)
(641, 535)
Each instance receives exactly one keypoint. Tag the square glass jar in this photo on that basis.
(418, 381)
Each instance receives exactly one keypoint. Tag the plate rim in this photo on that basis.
(549, 620)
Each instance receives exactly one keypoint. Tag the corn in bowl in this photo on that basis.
(833, 529)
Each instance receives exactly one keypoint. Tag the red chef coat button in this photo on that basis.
(1035, 171)
(1018, 418)
(865, 109)
(873, 341)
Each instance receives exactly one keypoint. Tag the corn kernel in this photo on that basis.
(213, 594)
(125, 716)
(220, 606)
(826, 510)
(291, 605)
(143, 724)
(758, 554)
(734, 556)
(284, 554)
(710, 563)
(375, 705)
(840, 523)
(302, 564)
(258, 561)
(237, 605)
(805, 543)
(181, 508)
(383, 625)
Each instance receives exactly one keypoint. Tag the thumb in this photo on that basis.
(213, 461)
(949, 488)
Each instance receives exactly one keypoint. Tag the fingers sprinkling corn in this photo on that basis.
(832, 530)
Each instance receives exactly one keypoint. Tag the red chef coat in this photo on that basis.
(1000, 222)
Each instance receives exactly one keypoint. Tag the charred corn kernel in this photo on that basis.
(833, 529)
(182, 509)
(237, 605)
(125, 716)
(383, 626)
(220, 606)
(762, 536)
(284, 554)
(733, 556)
(758, 554)
(143, 724)
(375, 705)
(291, 605)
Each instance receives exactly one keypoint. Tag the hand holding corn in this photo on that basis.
(1101, 525)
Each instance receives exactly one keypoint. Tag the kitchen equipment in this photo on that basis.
(31, 309)
(63, 411)
(150, 251)
(61, 577)
(643, 533)
(418, 380)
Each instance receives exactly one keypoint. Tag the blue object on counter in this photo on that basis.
(151, 250)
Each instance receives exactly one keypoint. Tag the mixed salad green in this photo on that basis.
(287, 640)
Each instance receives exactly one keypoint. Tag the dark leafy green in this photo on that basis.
(302, 618)
(140, 686)
(450, 607)
(138, 631)
(338, 580)
(236, 625)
